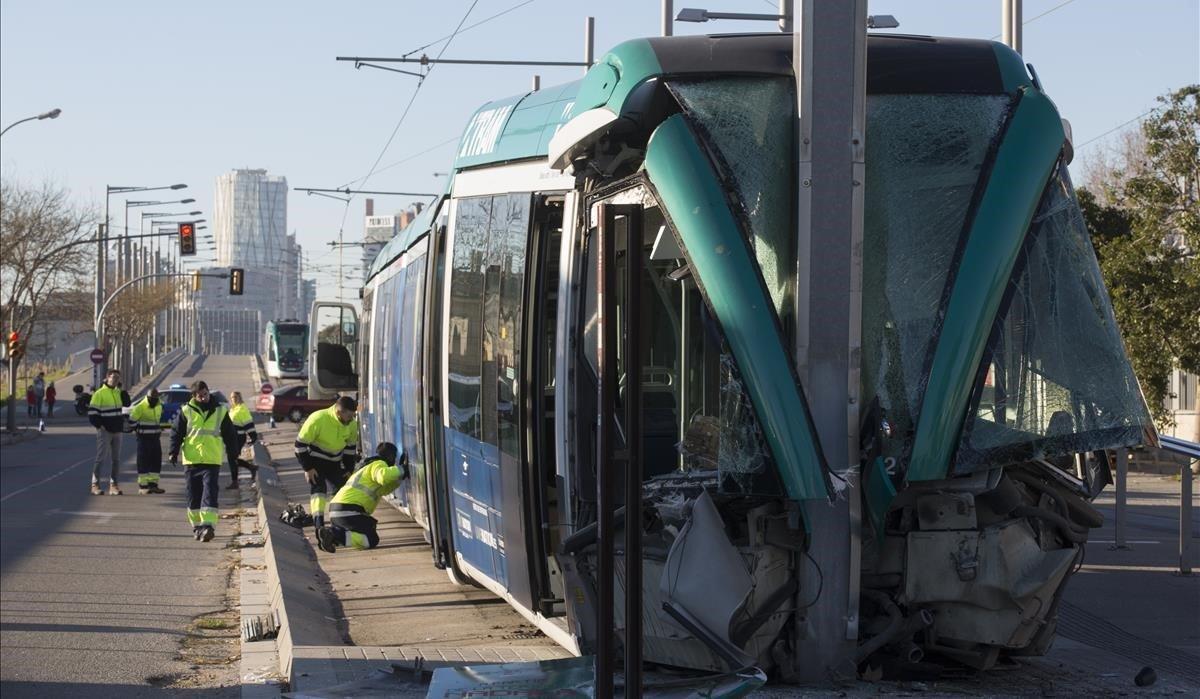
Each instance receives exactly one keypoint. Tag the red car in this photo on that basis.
(293, 403)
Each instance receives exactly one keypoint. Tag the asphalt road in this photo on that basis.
(98, 594)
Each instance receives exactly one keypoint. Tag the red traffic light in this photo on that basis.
(187, 239)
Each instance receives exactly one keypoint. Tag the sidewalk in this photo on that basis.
(390, 604)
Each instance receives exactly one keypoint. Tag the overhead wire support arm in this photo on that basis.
(427, 61)
(320, 191)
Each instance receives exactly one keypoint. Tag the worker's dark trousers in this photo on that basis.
(353, 526)
(328, 474)
(233, 465)
(149, 459)
(202, 494)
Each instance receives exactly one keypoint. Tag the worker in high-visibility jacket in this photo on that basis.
(327, 449)
(105, 414)
(243, 422)
(350, 520)
(201, 432)
(146, 417)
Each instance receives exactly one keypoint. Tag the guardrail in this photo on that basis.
(1191, 450)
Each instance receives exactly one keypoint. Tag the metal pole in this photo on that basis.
(1119, 523)
(605, 447)
(1006, 22)
(1016, 26)
(829, 53)
(1185, 520)
(785, 16)
(635, 249)
(537, 83)
(589, 43)
(668, 17)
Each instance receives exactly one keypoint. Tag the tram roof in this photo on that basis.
(520, 127)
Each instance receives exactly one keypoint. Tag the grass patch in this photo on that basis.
(214, 623)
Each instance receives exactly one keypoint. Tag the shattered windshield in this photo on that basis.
(926, 155)
(747, 121)
(1056, 379)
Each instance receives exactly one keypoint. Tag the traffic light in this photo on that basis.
(237, 278)
(187, 239)
(15, 350)
(196, 280)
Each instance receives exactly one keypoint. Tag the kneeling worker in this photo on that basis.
(351, 523)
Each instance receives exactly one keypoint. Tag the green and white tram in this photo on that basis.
(286, 346)
(991, 362)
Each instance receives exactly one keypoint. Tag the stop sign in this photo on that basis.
(267, 389)
(97, 356)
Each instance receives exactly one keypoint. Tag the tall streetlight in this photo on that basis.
(110, 190)
(52, 114)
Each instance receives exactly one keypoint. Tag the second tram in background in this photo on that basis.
(286, 349)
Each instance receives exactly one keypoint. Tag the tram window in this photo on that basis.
(511, 241)
(696, 414)
(464, 344)
(409, 375)
(1057, 381)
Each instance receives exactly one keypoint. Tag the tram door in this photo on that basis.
(332, 348)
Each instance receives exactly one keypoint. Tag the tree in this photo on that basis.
(38, 225)
(129, 319)
(1143, 211)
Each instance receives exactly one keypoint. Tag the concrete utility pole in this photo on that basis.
(830, 55)
(668, 17)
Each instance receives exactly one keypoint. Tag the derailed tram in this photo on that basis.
(992, 366)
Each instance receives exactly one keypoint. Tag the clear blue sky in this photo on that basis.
(162, 92)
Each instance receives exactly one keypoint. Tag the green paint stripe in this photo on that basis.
(693, 197)
(1023, 165)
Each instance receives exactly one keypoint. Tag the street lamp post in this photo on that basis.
(52, 114)
(101, 263)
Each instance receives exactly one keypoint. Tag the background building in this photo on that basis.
(378, 230)
(250, 231)
(250, 219)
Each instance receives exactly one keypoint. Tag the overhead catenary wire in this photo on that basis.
(1037, 17)
(1122, 125)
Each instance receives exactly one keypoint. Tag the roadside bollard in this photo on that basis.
(1119, 524)
(1185, 520)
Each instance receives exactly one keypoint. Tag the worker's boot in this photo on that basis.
(326, 540)
(96, 489)
(144, 490)
(207, 534)
(113, 489)
(155, 489)
(198, 532)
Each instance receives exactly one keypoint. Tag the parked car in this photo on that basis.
(176, 395)
(293, 403)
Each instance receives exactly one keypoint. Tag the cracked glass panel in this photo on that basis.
(1057, 380)
(748, 121)
(696, 413)
(925, 156)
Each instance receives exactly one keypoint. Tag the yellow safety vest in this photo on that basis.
(240, 416)
(368, 484)
(146, 420)
(325, 437)
(106, 401)
(203, 443)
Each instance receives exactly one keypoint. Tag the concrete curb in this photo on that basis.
(304, 613)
